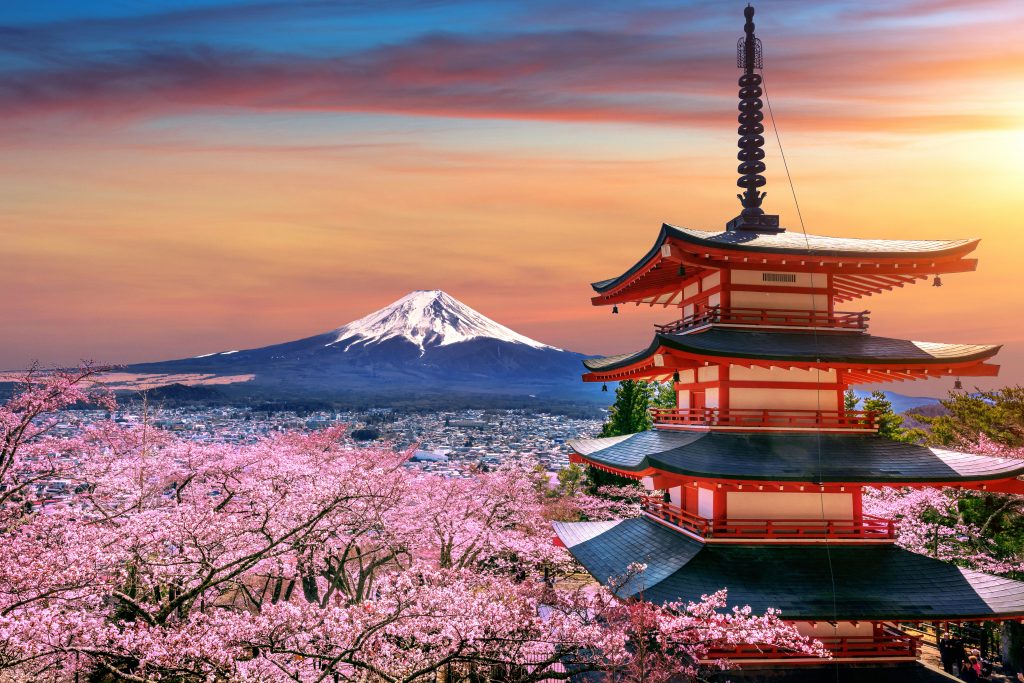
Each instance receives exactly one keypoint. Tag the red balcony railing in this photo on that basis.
(889, 645)
(768, 317)
(755, 418)
(863, 527)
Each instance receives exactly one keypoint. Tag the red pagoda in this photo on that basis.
(757, 473)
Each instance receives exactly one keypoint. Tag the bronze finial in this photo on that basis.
(751, 154)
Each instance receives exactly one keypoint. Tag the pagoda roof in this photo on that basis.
(913, 259)
(804, 582)
(801, 347)
(776, 456)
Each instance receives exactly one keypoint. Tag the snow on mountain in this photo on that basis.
(427, 318)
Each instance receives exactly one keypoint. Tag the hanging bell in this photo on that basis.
(937, 282)
(682, 270)
(675, 377)
(604, 387)
(958, 385)
(615, 309)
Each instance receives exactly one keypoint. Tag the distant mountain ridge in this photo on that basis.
(428, 317)
(426, 343)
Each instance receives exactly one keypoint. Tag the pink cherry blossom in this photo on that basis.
(298, 558)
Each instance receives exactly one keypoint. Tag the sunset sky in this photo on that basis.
(186, 176)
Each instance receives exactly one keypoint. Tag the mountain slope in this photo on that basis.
(426, 343)
(428, 318)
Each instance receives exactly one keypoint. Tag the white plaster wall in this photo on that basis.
(691, 290)
(707, 373)
(711, 397)
(783, 399)
(778, 300)
(675, 495)
(706, 503)
(686, 376)
(684, 398)
(759, 374)
(712, 280)
(842, 629)
(715, 299)
(756, 277)
(786, 505)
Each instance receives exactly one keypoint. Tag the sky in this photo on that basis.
(189, 176)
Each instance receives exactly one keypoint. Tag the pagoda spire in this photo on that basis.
(751, 154)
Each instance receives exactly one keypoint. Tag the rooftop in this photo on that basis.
(785, 457)
(806, 347)
(813, 583)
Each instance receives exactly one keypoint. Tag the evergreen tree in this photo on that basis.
(630, 412)
(628, 415)
(665, 396)
(890, 424)
(998, 415)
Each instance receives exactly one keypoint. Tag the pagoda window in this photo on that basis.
(785, 505)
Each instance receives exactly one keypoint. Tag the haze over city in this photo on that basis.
(185, 178)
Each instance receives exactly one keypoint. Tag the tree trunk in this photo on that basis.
(1011, 645)
(310, 589)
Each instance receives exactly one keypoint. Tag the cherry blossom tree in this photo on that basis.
(300, 558)
(939, 523)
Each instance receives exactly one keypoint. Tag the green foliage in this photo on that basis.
(664, 396)
(890, 424)
(997, 415)
(597, 478)
(629, 414)
(571, 480)
(850, 400)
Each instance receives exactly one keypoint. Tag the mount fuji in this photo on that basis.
(426, 348)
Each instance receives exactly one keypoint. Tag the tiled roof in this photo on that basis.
(802, 347)
(805, 582)
(796, 243)
(821, 245)
(773, 456)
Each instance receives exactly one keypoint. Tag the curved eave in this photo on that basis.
(861, 460)
(649, 281)
(812, 583)
(668, 352)
(991, 483)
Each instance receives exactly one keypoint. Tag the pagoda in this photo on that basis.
(756, 476)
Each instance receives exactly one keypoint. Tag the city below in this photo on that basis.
(445, 443)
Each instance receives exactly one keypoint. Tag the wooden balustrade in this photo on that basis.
(843, 320)
(740, 418)
(891, 644)
(863, 527)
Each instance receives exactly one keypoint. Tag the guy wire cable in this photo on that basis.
(817, 371)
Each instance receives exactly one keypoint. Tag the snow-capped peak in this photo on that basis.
(428, 317)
